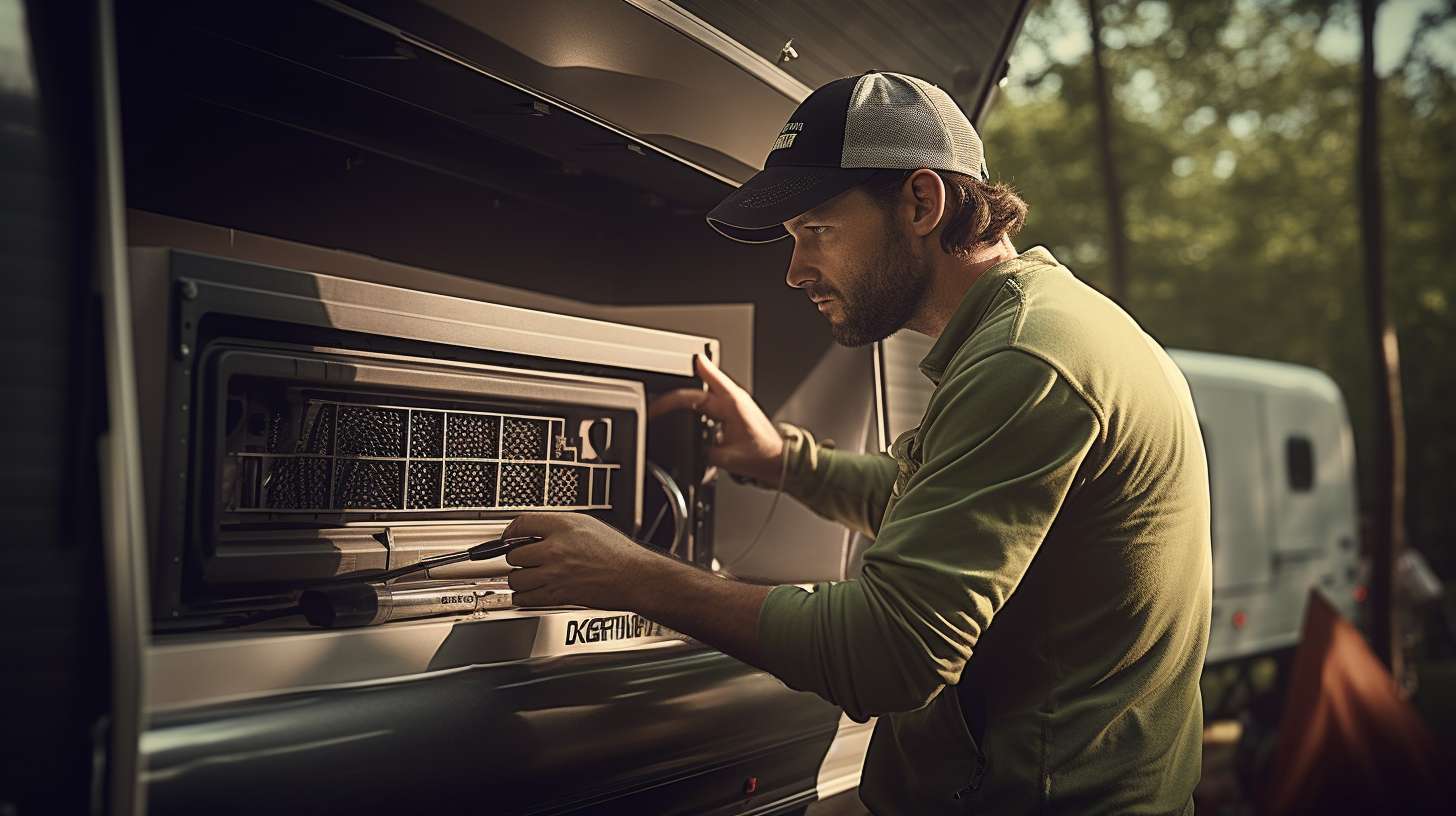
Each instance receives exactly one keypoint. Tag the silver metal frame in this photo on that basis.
(425, 45)
(694, 27)
(124, 519)
(194, 670)
(219, 285)
(993, 76)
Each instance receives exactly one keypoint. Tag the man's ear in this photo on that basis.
(927, 190)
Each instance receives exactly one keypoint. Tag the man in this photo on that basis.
(1030, 622)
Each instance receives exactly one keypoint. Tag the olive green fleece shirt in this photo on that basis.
(1031, 620)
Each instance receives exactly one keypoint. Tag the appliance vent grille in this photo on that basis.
(383, 458)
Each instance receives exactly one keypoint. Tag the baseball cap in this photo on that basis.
(837, 138)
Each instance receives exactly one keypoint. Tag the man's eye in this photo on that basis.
(817, 230)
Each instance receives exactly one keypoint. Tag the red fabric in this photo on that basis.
(1348, 742)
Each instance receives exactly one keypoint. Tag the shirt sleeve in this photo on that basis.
(842, 486)
(1002, 441)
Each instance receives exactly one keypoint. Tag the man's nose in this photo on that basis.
(800, 273)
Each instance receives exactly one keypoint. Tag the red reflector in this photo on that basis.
(1240, 619)
(750, 785)
(1361, 593)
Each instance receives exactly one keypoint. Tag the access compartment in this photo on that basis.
(309, 427)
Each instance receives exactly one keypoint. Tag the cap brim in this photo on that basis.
(755, 213)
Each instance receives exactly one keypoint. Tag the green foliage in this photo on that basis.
(1236, 139)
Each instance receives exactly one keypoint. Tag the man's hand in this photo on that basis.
(751, 445)
(581, 562)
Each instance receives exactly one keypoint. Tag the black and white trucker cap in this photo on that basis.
(839, 136)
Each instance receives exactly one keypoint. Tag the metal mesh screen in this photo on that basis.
(383, 458)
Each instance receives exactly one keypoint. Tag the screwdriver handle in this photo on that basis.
(500, 546)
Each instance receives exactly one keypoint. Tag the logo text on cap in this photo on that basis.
(787, 135)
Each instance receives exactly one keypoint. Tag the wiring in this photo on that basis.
(674, 500)
(773, 505)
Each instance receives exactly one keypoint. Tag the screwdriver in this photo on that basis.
(364, 600)
(483, 551)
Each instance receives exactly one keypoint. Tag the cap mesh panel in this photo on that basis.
(903, 123)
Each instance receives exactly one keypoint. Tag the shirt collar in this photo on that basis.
(973, 308)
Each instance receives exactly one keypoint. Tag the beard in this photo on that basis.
(882, 295)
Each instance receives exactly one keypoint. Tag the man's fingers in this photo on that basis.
(533, 524)
(676, 400)
(528, 555)
(537, 597)
(526, 580)
(717, 381)
(715, 457)
(716, 402)
(692, 399)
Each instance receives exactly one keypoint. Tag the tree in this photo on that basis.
(1388, 503)
(1112, 189)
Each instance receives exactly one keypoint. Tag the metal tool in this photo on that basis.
(483, 551)
(364, 599)
(362, 604)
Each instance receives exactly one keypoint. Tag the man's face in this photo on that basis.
(857, 264)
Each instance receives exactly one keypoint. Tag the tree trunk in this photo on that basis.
(1112, 187)
(1388, 527)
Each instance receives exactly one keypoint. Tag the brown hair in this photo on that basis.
(980, 212)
